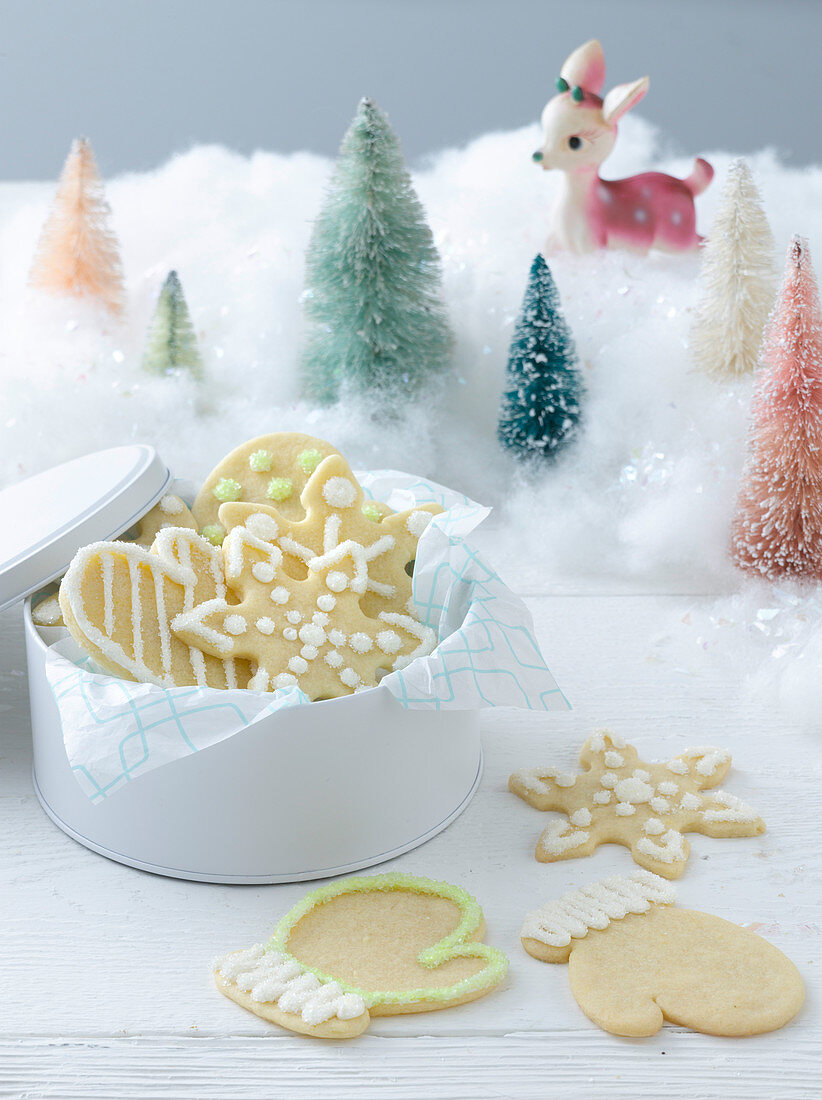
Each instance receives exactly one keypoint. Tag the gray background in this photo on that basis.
(146, 78)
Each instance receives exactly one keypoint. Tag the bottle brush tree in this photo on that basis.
(377, 323)
(777, 528)
(77, 253)
(171, 344)
(540, 407)
(738, 282)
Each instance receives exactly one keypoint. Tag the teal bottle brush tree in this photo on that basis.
(540, 407)
(377, 324)
(171, 344)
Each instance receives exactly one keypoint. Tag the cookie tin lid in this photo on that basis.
(47, 518)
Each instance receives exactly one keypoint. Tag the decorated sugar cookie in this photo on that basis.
(339, 520)
(47, 612)
(272, 469)
(634, 960)
(169, 511)
(118, 600)
(309, 633)
(620, 799)
(362, 947)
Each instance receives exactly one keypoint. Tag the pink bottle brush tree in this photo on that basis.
(777, 528)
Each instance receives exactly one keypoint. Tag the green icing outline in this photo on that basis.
(454, 946)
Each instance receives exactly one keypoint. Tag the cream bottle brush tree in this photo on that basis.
(78, 254)
(738, 282)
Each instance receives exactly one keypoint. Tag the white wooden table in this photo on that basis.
(104, 979)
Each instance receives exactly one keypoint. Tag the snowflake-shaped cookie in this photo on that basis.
(308, 632)
(339, 522)
(620, 799)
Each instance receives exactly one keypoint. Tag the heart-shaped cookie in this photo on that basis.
(365, 946)
(634, 961)
(118, 600)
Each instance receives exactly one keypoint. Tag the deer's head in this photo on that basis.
(579, 127)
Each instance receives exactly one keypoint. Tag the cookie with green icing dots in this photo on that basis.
(309, 633)
(621, 799)
(169, 511)
(361, 947)
(338, 520)
(269, 469)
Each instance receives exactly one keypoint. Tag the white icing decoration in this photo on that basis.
(279, 595)
(235, 624)
(259, 681)
(653, 826)
(625, 809)
(600, 741)
(339, 492)
(671, 850)
(337, 581)
(556, 838)
(263, 526)
(580, 817)
(640, 773)
(309, 652)
(266, 625)
(263, 571)
(290, 634)
(298, 665)
(602, 798)
(319, 618)
(312, 634)
(690, 801)
(417, 522)
(270, 977)
(108, 595)
(633, 790)
(241, 538)
(171, 505)
(334, 659)
(284, 679)
(678, 767)
(47, 612)
(426, 636)
(326, 602)
(660, 805)
(668, 788)
(389, 641)
(336, 637)
(192, 623)
(608, 780)
(595, 906)
(614, 760)
(727, 807)
(538, 779)
(711, 759)
(360, 642)
(294, 617)
(350, 677)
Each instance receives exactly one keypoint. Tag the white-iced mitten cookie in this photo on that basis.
(634, 961)
(169, 511)
(271, 469)
(339, 521)
(363, 947)
(118, 600)
(310, 633)
(620, 799)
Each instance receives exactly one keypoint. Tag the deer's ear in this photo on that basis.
(622, 98)
(586, 67)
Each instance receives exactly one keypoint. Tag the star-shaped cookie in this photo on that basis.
(620, 799)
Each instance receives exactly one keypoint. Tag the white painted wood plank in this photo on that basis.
(91, 951)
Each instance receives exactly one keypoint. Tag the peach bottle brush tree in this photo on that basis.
(171, 344)
(541, 403)
(738, 282)
(777, 528)
(377, 323)
(78, 254)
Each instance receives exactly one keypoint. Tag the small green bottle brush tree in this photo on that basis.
(377, 323)
(171, 344)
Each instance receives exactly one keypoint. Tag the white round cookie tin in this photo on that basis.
(306, 792)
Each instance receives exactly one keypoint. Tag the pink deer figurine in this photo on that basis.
(651, 210)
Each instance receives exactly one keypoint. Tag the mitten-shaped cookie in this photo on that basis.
(363, 947)
(621, 799)
(118, 600)
(634, 960)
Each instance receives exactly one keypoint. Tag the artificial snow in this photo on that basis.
(643, 498)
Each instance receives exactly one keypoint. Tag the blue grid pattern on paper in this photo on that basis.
(488, 656)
